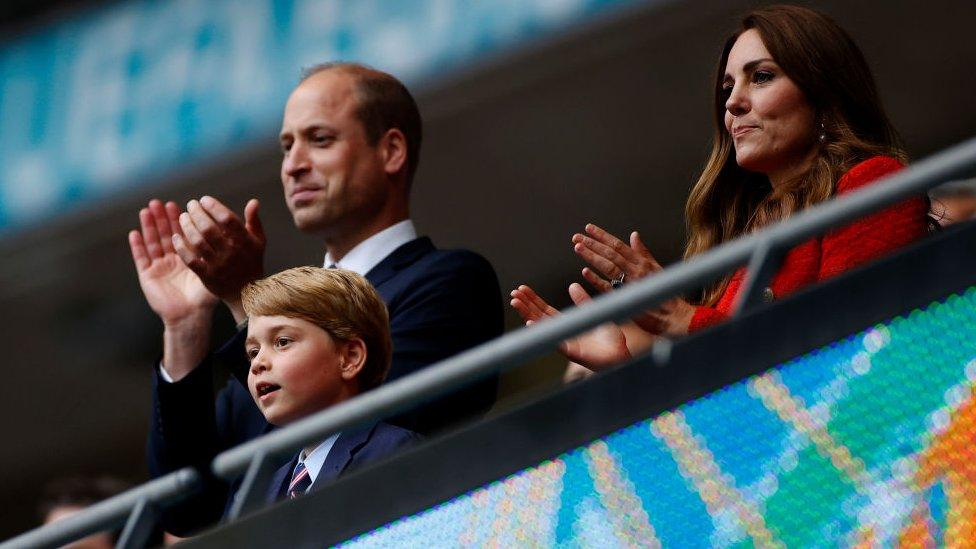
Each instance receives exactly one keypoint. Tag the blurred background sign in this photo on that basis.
(114, 97)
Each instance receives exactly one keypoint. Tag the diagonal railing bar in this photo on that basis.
(521, 345)
(111, 513)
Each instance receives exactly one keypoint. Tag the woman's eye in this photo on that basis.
(761, 77)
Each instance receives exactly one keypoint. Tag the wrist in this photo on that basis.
(185, 345)
(236, 307)
(680, 321)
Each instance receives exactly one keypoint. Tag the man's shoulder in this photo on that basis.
(429, 265)
(458, 259)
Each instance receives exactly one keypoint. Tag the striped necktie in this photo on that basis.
(300, 481)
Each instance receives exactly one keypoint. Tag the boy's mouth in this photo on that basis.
(265, 388)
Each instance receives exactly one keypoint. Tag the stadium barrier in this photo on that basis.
(762, 252)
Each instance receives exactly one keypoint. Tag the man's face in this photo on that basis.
(333, 179)
(295, 368)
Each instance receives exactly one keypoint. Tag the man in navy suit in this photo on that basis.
(350, 140)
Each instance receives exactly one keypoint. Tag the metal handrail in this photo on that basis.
(516, 347)
(110, 513)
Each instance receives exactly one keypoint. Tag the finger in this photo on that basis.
(527, 314)
(158, 212)
(188, 255)
(138, 248)
(638, 246)
(205, 225)
(538, 302)
(173, 215)
(227, 221)
(150, 236)
(192, 240)
(598, 282)
(607, 267)
(610, 241)
(578, 294)
(525, 305)
(252, 222)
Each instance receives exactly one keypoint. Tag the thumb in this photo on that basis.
(251, 220)
(637, 244)
(578, 294)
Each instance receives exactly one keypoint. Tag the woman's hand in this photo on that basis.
(599, 348)
(612, 258)
(618, 261)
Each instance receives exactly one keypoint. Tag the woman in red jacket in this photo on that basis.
(798, 120)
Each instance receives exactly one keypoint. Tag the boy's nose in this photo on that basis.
(259, 364)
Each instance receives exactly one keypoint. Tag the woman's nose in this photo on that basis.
(738, 103)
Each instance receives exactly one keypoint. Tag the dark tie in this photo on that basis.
(300, 481)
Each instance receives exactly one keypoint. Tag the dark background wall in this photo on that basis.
(609, 123)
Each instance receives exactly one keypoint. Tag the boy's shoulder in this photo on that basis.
(397, 436)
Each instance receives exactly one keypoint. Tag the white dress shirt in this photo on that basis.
(370, 252)
(315, 459)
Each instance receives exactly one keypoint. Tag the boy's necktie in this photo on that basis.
(300, 481)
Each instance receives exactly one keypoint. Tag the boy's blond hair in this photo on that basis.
(341, 302)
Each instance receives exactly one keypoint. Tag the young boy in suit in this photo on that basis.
(317, 337)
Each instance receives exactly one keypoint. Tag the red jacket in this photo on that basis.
(839, 249)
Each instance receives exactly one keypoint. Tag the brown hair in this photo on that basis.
(384, 103)
(825, 63)
(341, 302)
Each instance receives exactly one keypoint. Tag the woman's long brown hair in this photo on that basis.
(826, 64)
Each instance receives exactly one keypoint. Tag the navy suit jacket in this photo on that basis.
(351, 451)
(440, 302)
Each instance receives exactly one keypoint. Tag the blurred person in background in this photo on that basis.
(350, 142)
(64, 497)
(954, 202)
(798, 120)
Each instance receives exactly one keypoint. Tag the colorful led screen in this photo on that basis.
(868, 442)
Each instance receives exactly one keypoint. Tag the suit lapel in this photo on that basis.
(342, 454)
(278, 488)
(401, 257)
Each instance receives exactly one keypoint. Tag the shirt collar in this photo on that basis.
(315, 459)
(368, 253)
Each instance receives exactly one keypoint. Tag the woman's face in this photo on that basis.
(771, 123)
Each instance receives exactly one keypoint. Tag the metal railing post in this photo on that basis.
(140, 526)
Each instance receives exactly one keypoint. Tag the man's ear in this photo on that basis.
(393, 147)
(353, 358)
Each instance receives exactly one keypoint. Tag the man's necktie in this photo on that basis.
(300, 481)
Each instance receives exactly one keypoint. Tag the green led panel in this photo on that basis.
(868, 442)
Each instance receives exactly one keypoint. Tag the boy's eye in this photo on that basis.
(282, 342)
(251, 353)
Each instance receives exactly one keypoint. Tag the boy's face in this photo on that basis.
(297, 368)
